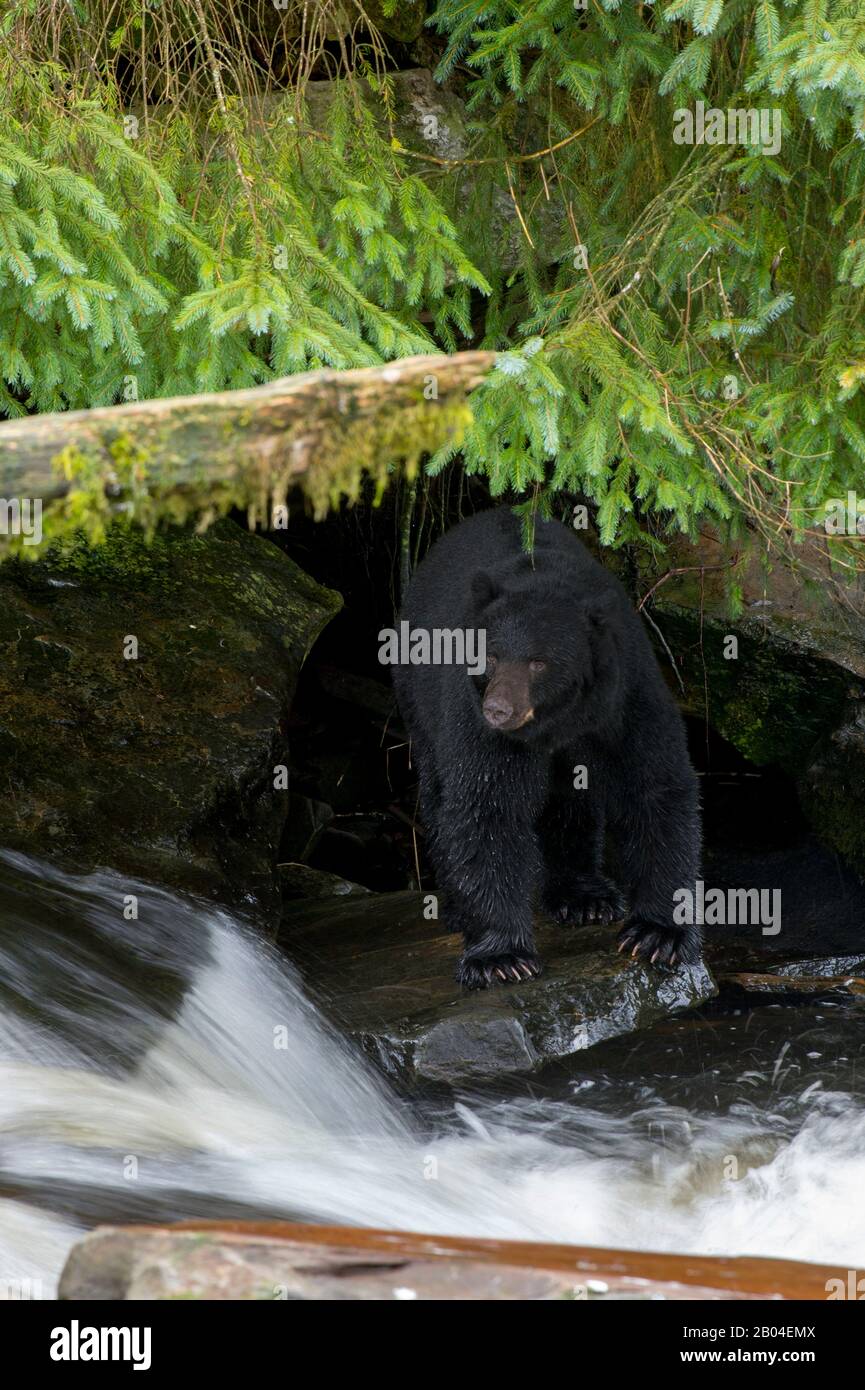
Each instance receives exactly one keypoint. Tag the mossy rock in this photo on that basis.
(771, 700)
(404, 22)
(159, 763)
(791, 691)
(832, 787)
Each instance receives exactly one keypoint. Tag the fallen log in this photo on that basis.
(275, 1259)
(323, 430)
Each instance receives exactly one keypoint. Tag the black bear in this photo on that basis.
(569, 732)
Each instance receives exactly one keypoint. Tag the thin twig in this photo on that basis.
(686, 569)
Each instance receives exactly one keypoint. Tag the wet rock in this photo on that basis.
(775, 982)
(761, 972)
(821, 968)
(387, 976)
(281, 1261)
(301, 881)
(143, 693)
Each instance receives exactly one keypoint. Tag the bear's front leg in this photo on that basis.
(485, 852)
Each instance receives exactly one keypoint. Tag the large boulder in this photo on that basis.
(791, 691)
(143, 692)
(386, 976)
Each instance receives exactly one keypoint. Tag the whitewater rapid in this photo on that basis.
(218, 1089)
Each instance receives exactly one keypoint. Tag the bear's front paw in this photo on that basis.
(659, 944)
(479, 972)
(589, 899)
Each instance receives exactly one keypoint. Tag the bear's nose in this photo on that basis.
(497, 711)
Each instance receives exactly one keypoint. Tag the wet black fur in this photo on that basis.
(506, 826)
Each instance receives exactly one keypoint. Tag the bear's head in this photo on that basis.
(553, 658)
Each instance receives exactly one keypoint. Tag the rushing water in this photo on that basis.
(170, 1066)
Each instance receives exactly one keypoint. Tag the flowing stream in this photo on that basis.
(170, 1066)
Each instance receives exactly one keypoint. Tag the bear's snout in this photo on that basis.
(497, 711)
(506, 703)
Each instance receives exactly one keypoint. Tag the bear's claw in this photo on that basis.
(479, 972)
(598, 902)
(657, 944)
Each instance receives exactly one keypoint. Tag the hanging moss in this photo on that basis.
(364, 449)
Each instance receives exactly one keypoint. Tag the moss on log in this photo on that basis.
(322, 431)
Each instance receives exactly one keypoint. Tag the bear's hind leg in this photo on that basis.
(575, 890)
(658, 827)
(422, 760)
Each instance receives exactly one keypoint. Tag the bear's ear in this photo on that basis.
(484, 588)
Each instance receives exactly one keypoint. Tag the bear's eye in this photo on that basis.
(492, 662)
(536, 665)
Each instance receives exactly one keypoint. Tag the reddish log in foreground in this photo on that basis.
(254, 1260)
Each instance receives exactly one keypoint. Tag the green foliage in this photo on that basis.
(703, 357)
(129, 269)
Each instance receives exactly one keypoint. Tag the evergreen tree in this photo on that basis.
(679, 321)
